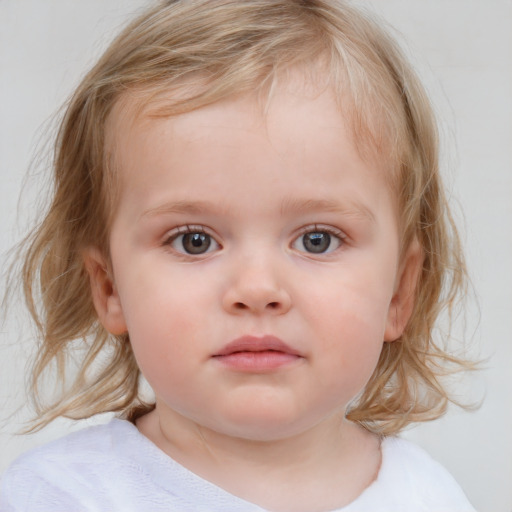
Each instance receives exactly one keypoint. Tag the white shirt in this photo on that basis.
(114, 468)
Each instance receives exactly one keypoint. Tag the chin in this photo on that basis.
(264, 426)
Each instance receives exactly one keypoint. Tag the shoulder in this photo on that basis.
(76, 448)
(410, 480)
(61, 471)
(107, 468)
(414, 473)
(406, 458)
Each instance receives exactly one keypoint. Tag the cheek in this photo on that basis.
(353, 306)
(353, 346)
(350, 322)
(165, 352)
(163, 318)
(156, 298)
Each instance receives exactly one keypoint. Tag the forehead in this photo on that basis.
(297, 145)
(289, 113)
(304, 95)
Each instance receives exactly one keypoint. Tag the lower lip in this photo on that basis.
(263, 361)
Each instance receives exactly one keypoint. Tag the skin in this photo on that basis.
(256, 183)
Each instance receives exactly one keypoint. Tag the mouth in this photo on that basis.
(257, 354)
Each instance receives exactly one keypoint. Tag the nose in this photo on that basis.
(256, 287)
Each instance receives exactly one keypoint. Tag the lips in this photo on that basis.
(256, 344)
(257, 354)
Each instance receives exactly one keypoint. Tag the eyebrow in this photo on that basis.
(288, 206)
(183, 207)
(351, 208)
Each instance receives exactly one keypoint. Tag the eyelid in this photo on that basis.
(183, 230)
(174, 233)
(324, 228)
(312, 228)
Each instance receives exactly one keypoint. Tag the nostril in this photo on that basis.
(240, 305)
(273, 305)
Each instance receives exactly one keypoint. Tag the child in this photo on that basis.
(247, 212)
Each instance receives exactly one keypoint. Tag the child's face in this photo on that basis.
(255, 262)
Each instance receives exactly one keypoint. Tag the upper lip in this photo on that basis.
(256, 344)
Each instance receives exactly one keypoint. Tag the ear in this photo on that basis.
(402, 303)
(104, 292)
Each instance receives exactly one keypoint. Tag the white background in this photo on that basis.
(462, 49)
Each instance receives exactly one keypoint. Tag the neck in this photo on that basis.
(321, 468)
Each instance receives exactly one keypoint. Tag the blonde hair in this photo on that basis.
(208, 50)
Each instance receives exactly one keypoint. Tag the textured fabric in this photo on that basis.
(112, 467)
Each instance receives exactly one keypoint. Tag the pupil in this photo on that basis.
(317, 242)
(196, 243)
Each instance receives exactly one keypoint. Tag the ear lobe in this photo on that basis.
(402, 303)
(104, 292)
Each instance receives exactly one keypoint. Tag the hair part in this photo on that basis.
(240, 47)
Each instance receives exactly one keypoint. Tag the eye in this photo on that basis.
(318, 241)
(192, 241)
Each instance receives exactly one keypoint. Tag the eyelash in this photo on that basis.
(318, 228)
(198, 229)
(175, 234)
(183, 230)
